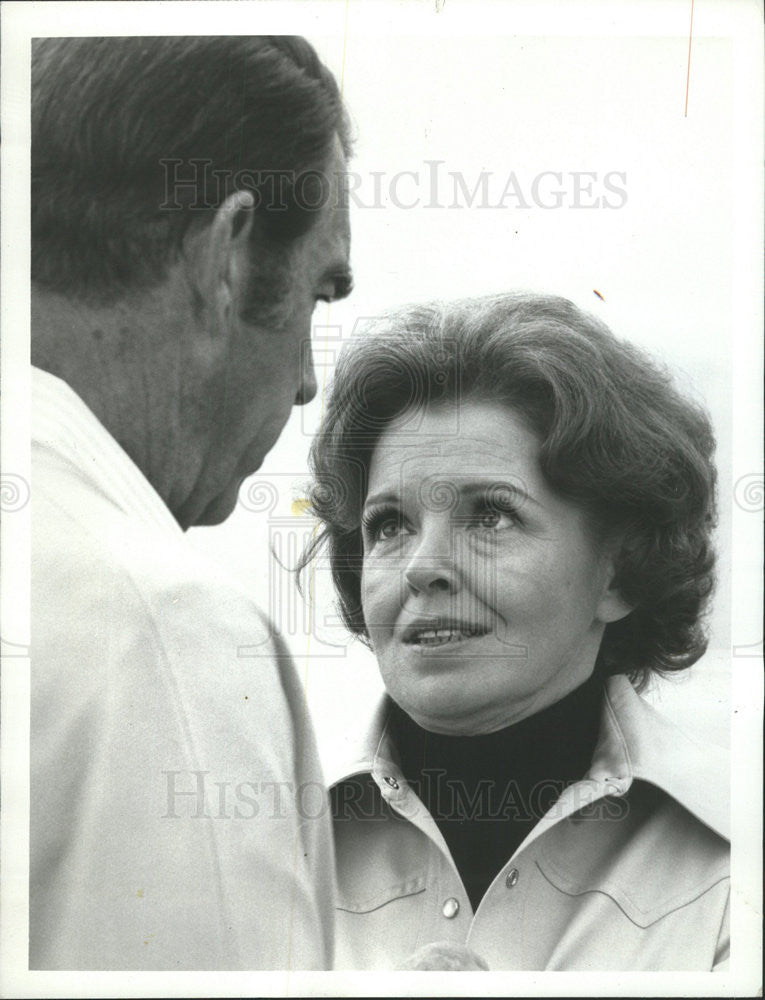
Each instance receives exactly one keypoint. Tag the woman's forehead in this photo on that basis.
(474, 439)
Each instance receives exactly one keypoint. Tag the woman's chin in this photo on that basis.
(447, 705)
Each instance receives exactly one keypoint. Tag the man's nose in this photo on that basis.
(432, 566)
(308, 386)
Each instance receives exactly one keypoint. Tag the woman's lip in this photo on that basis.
(432, 634)
(446, 640)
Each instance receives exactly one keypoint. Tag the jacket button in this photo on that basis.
(391, 781)
(451, 908)
(511, 878)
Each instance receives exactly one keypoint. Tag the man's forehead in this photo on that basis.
(335, 224)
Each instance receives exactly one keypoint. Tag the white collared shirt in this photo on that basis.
(175, 778)
(629, 870)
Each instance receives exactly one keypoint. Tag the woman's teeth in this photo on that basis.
(439, 636)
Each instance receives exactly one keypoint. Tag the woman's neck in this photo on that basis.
(560, 738)
(486, 792)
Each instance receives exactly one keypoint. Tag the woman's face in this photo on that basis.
(483, 594)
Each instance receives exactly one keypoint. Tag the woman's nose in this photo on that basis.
(433, 564)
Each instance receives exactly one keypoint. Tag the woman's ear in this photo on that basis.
(612, 607)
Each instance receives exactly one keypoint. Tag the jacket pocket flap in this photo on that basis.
(355, 903)
(651, 859)
(638, 907)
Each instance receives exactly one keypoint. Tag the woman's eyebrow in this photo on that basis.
(386, 496)
(491, 484)
(466, 489)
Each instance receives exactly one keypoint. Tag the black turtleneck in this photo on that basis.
(487, 792)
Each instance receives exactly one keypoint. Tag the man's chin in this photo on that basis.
(219, 509)
(222, 506)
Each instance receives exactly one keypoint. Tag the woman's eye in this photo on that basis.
(492, 520)
(388, 528)
(383, 526)
(489, 520)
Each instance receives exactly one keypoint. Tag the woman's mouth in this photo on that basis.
(440, 635)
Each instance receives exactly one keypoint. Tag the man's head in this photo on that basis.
(190, 188)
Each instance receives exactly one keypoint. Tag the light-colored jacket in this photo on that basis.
(629, 870)
(169, 739)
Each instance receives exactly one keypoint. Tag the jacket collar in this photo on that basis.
(362, 750)
(635, 741)
(647, 745)
(64, 425)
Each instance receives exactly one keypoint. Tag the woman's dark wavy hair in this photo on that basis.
(617, 439)
(136, 138)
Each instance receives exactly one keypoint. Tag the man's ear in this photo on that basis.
(225, 250)
(612, 607)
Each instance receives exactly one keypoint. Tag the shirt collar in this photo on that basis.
(642, 743)
(635, 741)
(361, 749)
(63, 424)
